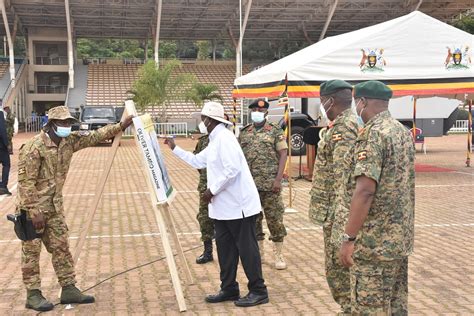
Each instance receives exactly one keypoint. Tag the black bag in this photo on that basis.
(24, 228)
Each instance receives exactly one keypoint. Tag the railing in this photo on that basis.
(34, 124)
(9, 89)
(460, 126)
(51, 89)
(175, 129)
(46, 60)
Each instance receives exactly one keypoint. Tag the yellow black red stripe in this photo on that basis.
(303, 89)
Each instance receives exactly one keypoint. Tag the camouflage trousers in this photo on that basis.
(206, 224)
(273, 208)
(55, 238)
(380, 287)
(337, 276)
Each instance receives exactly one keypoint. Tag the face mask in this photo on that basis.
(202, 128)
(62, 131)
(257, 117)
(360, 121)
(324, 115)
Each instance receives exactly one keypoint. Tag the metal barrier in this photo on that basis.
(33, 124)
(176, 129)
(460, 126)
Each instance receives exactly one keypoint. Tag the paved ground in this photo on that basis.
(124, 235)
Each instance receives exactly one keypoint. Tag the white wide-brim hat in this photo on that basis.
(215, 111)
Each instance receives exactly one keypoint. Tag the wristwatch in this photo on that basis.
(347, 238)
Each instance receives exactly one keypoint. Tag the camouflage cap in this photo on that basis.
(259, 103)
(373, 89)
(60, 113)
(332, 86)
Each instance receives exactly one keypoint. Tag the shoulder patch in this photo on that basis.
(337, 137)
(362, 155)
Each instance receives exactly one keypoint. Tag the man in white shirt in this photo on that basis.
(234, 204)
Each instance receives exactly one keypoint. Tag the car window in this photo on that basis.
(94, 113)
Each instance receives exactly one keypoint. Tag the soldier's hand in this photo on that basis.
(207, 196)
(38, 221)
(345, 254)
(276, 186)
(170, 142)
(126, 122)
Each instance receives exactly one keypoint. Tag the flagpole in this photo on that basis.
(469, 135)
(285, 98)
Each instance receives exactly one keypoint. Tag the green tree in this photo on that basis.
(160, 87)
(201, 92)
(465, 23)
(203, 49)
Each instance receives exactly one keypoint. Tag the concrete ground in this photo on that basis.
(125, 235)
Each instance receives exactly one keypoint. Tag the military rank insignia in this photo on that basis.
(21, 171)
(337, 137)
(362, 155)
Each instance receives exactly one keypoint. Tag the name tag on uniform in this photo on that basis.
(362, 155)
(337, 137)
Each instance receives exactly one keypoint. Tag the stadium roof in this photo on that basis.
(217, 19)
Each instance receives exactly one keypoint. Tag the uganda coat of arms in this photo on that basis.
(458, 58)
(372, 60)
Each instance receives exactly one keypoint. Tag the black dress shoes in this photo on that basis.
(252, 299)
(222, 297)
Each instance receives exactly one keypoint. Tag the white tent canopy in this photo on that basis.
(414, 54)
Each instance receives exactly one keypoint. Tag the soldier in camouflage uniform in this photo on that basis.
(337, 139)
(42, 168)
(206, 224)
(379, 232)
(265, 148)
(10, 122)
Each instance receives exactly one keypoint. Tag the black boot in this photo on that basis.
(207, 254)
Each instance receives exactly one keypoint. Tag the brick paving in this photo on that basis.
(125, 235)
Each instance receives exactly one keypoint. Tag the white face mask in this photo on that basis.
(324, 115)
(202, 128)
(257, 117)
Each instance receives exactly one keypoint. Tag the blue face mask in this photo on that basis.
(360, 121)
(257, 117)
(62, 131)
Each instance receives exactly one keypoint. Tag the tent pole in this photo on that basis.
(414, 118)
(469, 135)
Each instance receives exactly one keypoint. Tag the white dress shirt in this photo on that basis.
(228, 176)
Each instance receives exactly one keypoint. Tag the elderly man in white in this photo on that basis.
(233, 204)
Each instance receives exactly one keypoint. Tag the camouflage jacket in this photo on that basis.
(10, 123)
(384, 152)
(335, 142)
(201, 144)
(261, 148)
(43, 167)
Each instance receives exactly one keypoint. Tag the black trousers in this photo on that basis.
(5, 161)
(234, 239)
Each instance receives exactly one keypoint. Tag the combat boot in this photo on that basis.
(280, 263)
(261, 247)
(70, 294)
(35, 300)
(207, 254)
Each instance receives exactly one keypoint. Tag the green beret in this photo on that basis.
(332, 86)
(372, 90)
(259, 103)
